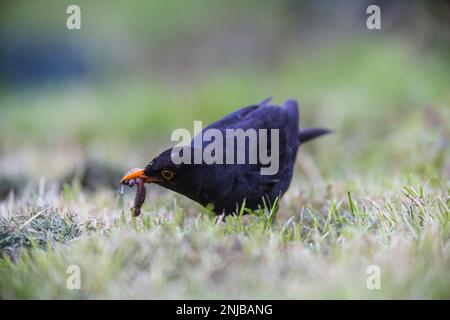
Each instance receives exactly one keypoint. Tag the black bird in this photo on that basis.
(227, 186)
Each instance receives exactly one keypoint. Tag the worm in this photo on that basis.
(139, 198)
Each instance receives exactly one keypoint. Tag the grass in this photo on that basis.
(41, 227)
(374, 193)
(321, 251)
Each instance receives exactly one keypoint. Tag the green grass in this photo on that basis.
(374, 193)
(319, 251)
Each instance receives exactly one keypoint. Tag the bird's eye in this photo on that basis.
(167, 174)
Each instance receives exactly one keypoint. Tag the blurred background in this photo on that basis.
(90, 104)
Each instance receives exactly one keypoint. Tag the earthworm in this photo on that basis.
(140, 197)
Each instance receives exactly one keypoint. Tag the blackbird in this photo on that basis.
(223, 186)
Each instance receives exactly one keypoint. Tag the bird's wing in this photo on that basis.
(284, 119)
(264, 116)
(232, 118)
(305, 134)
(246, 179)
(291, 108)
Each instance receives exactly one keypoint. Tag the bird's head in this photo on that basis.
(161, 170)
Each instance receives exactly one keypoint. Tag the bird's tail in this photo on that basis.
(307, 134)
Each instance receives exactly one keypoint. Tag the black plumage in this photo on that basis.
(225, 186)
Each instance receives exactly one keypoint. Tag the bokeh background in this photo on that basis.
(89, 104)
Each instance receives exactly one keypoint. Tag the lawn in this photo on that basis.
(375, 193)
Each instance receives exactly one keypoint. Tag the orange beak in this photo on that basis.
(138, 174)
